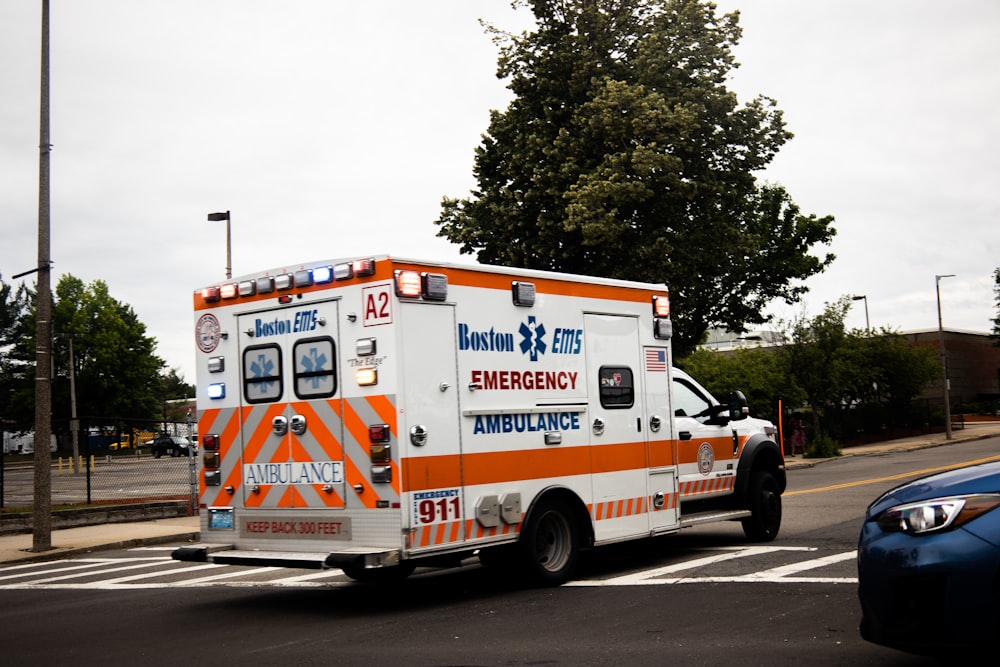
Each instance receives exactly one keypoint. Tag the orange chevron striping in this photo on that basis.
(253, 444)
(385, 410)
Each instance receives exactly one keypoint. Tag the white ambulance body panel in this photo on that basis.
(367, 414)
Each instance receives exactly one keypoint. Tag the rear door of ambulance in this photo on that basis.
(292, 430)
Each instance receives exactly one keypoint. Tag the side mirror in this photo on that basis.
(738, 406)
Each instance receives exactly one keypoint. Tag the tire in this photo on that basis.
(380, 575)
(550, 545)
(764, 503)
(175, 453)
(157, 454)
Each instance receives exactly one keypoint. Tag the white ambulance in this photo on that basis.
(378, 414)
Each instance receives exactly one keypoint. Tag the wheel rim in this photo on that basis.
(553, 542)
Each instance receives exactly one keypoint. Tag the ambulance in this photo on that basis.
(379, 414)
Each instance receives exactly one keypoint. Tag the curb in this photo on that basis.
(57, 554)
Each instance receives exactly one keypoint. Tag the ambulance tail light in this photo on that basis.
(210, 442)
(380, 452)
(210, 459)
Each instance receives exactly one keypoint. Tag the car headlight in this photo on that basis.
(937, 514)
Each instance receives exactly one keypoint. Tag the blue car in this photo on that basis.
(929, 563)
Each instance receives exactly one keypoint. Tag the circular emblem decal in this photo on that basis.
(206, 333)
(706, 458)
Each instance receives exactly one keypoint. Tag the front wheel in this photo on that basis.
(764, 504)
(550, 545)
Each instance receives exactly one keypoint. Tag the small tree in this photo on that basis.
(759, 373)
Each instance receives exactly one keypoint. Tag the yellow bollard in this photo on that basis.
(91, 463)
(60, 466)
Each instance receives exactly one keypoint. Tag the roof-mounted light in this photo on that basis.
(228, 291)
(247, 288)
(434, 286)
(283, 281)
(343, 271)
(265, 285)
(363, 267)
(523, 293)
(322, 274)
(661, 306)
(211, 294)
(303, 278)
(408, 284)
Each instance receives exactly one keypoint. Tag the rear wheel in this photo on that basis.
(550, 544)
(764, 504)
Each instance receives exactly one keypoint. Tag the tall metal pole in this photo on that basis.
(944, 358)
(860, 297)
(229, 240)
(42, 511)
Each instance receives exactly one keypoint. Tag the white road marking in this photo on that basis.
(58, 574)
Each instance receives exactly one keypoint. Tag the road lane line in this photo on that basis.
(890, 478)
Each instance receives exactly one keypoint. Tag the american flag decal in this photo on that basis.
(656, 361)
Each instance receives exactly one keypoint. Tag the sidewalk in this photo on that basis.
(88, 539)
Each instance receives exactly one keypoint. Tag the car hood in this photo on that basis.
(983, 478)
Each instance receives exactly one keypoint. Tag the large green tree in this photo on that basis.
(117, 371)
(623, 154)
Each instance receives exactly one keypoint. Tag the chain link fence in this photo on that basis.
(116, 464)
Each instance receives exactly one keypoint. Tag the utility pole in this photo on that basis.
(944, 358)
(42, 511)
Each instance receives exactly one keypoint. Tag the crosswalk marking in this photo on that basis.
(141, 571)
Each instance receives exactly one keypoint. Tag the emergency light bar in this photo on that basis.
(228, 291)
(322, 274)
(265, 285)
(303, 278)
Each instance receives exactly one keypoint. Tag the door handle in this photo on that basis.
(684, 435)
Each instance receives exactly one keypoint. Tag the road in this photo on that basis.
(704, 597)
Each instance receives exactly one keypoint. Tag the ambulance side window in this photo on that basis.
(687, 401)
(315, 374)
(616, 387)
(262, 374)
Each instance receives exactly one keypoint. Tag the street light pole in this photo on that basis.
(868, 327)
(944, 359)
(74, 423)
(215, 217)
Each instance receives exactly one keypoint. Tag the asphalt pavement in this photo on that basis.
(88, 539)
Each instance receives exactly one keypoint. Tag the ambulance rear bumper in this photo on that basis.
(225, 554)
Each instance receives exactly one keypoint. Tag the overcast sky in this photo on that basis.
(332, 129)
